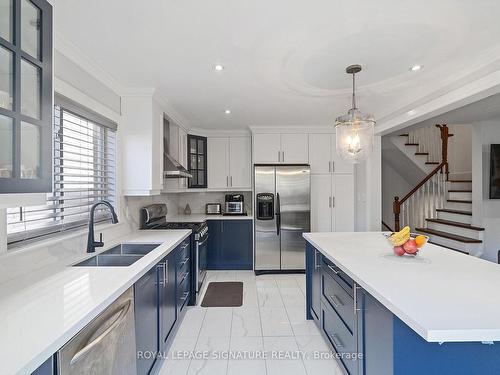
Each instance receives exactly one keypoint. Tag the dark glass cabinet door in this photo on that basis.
(197, 161)
(25, 96)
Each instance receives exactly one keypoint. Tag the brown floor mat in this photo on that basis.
(223, 294)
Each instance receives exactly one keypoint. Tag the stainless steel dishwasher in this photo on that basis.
(104, 346)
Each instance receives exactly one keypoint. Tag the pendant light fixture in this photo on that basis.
(354, 131)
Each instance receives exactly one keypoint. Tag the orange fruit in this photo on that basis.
(420, 240)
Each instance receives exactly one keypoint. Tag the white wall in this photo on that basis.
(393, 184)
(460, 151)
(485, 211)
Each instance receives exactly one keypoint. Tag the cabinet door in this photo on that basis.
(339, 165)
(321, 212)
(214, 252)
(266, 148)
(240, 162)
(316, 284)
(320, 153)
(218, 162)
(237, 246)
(146, 319)
(343, 208)
(167, 296)
(294, 148)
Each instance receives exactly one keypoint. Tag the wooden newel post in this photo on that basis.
(396, 208)
(445, 134)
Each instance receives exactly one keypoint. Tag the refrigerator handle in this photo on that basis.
(278, 214)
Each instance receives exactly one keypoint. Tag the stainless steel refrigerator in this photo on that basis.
(282, 213)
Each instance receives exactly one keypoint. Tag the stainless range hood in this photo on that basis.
(171, 167)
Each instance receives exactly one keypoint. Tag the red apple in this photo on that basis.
(398, 250)
(410, 247)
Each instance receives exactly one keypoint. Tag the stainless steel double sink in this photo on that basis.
(121, 255)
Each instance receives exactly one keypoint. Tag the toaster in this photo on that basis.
(213, 209)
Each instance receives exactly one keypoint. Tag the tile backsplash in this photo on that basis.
(198, 200)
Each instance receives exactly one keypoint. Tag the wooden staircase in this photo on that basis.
(439, 207)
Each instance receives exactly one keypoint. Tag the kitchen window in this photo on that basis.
(197, 161)
(83, 145)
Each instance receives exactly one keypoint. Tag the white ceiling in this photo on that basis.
(284, 59)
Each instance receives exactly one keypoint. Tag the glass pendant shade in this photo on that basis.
(355, 130)
(354, 136)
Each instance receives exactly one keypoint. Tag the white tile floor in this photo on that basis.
(271, 321)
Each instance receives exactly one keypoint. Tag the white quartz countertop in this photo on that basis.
(441, 294)
(38, 318)
(198, 218)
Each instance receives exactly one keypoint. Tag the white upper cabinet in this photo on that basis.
(142, 144)
(240, 162)
(294, 148)
(218, 162)
(229, 163)
(339, 165)
(275, 148)
(266, 148)
(319, 153)
(323, 156)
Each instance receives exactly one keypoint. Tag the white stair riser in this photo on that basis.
(476, 234)
(471, 248)
(460, 185)
(467, 219)
(463, 196)
(458, 206)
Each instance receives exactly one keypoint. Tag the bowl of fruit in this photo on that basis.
(406, 243)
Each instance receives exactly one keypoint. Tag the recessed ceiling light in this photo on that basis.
(415, 68)
(219, 67)
(227, 111)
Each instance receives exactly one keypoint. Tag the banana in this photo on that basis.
(401, 237)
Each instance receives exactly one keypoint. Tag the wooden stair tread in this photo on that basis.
(459, 212)
(449, 236)
(448, 247)
(459, 191)
(455, 224)
(432, 162)
(421, 153)
(458, 201)
(460, 180)
(411, 144)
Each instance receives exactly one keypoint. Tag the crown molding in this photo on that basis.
(318, 129)
(220, 132)
(73, 53)
(170, 111)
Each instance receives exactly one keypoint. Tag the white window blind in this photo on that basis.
(83, 174)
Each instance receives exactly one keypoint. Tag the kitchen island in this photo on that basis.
(437, 313)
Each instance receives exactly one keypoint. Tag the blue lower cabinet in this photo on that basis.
(146, 320)
(370, 340)
(46, 368)
(184, 277)
(167, 296)
(230, 245)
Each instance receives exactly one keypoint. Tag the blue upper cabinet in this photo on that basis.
(230, 245)
(26, 97)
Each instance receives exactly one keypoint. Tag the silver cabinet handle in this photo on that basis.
(333, 166)
(283, 156)
(184, 245)
(162, 267)
(185, 261)
(333, 201)
(329, 166)
(122, 311)
(336, 301)
(165, 274)
(231, 181)
(279, 156)
(333, 269)
(227, 181)
(336, 341)
(355, 296)
(316, 266)
(329, 201)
